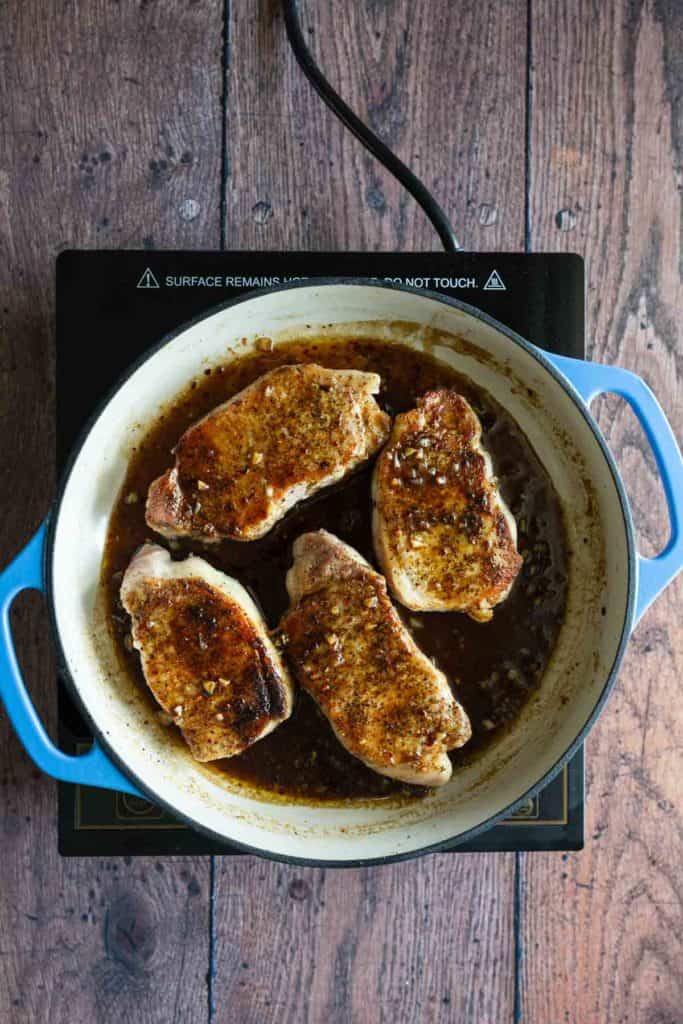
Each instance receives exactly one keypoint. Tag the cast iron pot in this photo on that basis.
(610, 585)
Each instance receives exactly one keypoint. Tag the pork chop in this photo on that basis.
(205, 652)
(443, 536)
(240, 469)
(387, 703)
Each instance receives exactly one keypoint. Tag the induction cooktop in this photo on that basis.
(112, 306)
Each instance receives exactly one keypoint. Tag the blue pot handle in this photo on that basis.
(592, 379)
(91, 769)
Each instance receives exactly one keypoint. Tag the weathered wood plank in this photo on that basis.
(425, 941)
(431, 940)
(110, 121)
(603, 929)
(442, 83)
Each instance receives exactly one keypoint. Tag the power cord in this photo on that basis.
(379, 150)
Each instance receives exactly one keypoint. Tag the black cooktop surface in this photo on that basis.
(112, 306)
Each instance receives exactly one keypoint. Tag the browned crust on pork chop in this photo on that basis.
(205, 655)
(386, 701)
(292, 432)
(443, 536)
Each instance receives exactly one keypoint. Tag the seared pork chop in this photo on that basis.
(387, 703)
(443, 536)
(290, 433)
(206, 653)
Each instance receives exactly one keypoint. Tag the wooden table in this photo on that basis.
(551, 124)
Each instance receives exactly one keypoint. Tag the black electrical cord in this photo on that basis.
(371, 142)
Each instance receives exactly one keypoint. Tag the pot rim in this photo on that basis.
(322, 282)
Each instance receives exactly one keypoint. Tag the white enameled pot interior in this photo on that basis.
(589, 639)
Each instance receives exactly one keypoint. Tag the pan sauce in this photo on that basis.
(493, 666)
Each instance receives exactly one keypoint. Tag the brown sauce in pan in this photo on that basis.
(493, 666)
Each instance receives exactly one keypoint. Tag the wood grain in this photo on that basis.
(110, 121)
(442, 83)
(431, 940)
(425, 941)
(603, 928)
